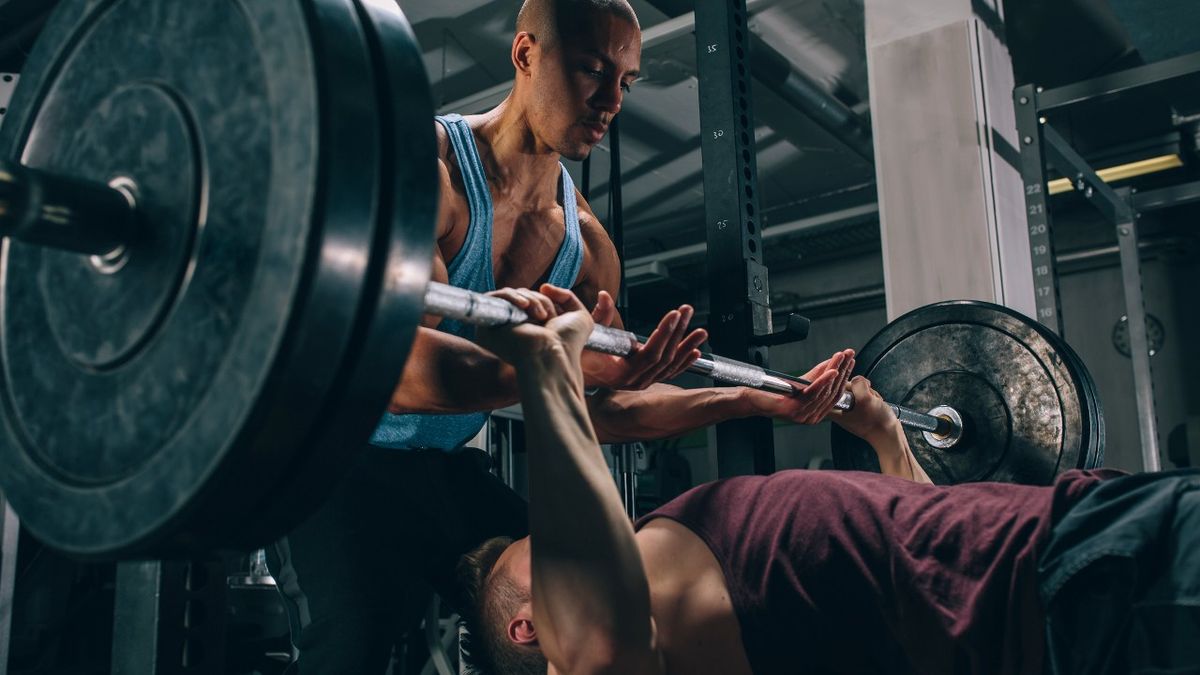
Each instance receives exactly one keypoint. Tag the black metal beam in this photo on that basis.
(738, 289)
(1139, 341)
(616, 208)
(1042, 144)
(1162, 198)
(169, 618)
(1115, 83)
(1064, 158)
(1047, 304)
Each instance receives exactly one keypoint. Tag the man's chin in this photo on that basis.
(579, 151)
(576, 153)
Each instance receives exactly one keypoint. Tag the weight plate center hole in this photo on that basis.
(115, 260)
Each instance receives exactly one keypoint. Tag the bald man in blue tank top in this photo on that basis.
(823, 571)
(354, 575)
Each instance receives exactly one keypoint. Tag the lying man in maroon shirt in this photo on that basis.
(820, 571)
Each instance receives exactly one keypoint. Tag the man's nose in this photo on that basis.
(608, 97)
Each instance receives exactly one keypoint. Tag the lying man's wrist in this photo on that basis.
(539, 352)
(888, 441)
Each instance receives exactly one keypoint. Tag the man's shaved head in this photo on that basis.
(574, 61)
(548, 20)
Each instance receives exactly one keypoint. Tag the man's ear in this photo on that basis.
(522, 49)
(522, 631)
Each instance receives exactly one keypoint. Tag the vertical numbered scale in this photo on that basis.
(1033, 173)
(738, 289)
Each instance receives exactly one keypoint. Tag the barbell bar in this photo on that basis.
(483, 310)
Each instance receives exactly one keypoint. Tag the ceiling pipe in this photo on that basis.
(773, 70)
(824, 222)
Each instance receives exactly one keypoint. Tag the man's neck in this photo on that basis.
(519, 166)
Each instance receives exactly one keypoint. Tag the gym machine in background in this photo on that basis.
(740, 324)
(624, 455)
(1042, 144)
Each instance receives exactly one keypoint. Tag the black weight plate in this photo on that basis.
(153, 404)
(1029, 406)
(1094, 427)
(399, 267)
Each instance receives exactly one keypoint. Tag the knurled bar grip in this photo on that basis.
(922, 422)
(451, 302)
(470, 307)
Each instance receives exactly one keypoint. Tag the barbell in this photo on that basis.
(218, 224)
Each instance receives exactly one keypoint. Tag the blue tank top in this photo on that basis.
(471, 268)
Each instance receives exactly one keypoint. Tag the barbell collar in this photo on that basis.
(69, 214)
(951, 435)
(947, 427)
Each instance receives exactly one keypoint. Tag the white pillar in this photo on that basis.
(946, 156)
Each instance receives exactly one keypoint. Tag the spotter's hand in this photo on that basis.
(666, 353)
(814, 403)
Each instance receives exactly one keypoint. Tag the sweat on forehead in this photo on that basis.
(546, 20)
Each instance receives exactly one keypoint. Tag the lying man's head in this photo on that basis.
(497, 609)
(575, 59)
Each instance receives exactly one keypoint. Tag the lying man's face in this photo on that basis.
(499, 611)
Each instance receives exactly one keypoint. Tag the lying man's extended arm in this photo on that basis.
(591, 599)
(872, 420)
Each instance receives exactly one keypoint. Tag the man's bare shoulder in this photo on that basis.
(595, 235)
(452, 203)
(447, 163)
(601, 264)
(474, 122)
(443, 137)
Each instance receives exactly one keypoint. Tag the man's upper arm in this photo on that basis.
(447, 217)
(602, 265)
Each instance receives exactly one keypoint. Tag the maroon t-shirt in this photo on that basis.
(851, 572)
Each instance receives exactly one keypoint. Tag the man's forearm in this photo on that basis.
(447, 374)
(662, 411)
(590, 593)
(896, 457)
